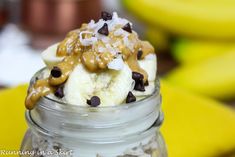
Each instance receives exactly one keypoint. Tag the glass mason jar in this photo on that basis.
(57, 129)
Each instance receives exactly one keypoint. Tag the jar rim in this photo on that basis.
(67, 106)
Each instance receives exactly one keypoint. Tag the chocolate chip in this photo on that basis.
(139, 82)
(139, 54)
(146, 83)
(106, 16)
(127, 27)
(59, 92)
(56, 72)
(130, 98)
(139, 86)
(94, 101)
(104, 30)
(137, 76)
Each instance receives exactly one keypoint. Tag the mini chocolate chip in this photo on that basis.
(137, 76)
(104, 30)
(106, 16)
(127, 27)
(146, 83)
(139, 54)
(139, 82)
(130, 98)
(56, 72)
(139, 86)
(94, 101)
(59, 92)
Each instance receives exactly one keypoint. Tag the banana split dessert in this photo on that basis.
(102, 64)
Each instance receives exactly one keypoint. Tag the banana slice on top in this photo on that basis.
(117, 89)
(149, 64)
(111, 86)
(49, 56)
(79, 86)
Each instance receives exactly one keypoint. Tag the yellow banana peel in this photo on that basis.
(214, 77)
(197, 18)
(187, 51)
(196, 126)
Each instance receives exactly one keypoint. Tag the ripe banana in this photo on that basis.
(208, 19)
(187, 51)
(149, 64)
(214, 77)
(196, 126)
(49, 56)
(111, 86)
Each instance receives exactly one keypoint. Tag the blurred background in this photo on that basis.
(194, 41)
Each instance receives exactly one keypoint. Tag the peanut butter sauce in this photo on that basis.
(75, 52)
(40, 88)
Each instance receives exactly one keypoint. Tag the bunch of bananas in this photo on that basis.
(204, 42)
(198, 18)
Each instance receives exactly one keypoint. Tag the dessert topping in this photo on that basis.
(139, 82)
(59, 92)
(146, 83)
(104, 29)
(139, 54)
(106, 16)
(139, 86)
(94, 101)
(130, 98)
(137, 76)
(97, 46)
(56, 72)
(127, 28)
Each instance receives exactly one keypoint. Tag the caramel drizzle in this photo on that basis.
(75, 53)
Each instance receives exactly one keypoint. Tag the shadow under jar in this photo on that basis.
(58, 129)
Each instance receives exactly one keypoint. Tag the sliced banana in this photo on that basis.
(117, 89)
(111, 86)
(149, 64)
(79, 86)
(49, 56)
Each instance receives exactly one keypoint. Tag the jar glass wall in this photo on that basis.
(127, 130)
